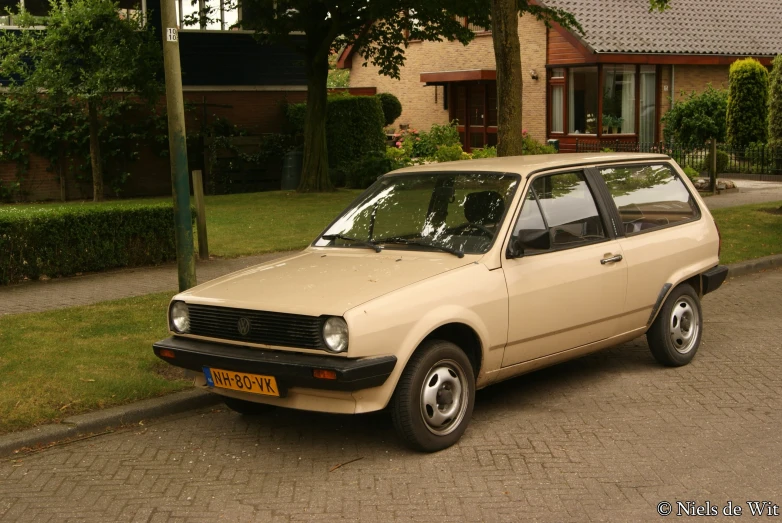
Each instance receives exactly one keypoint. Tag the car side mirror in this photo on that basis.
(539, 240)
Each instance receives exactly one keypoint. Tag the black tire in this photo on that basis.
(246, 408)
(675, 335)
(445, 370)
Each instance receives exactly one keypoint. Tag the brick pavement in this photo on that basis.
(604, 438)
(91, 288)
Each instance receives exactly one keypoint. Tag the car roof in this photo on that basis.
(528, 164)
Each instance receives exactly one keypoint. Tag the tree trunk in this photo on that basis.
(315, 168)
(507, 54)
(97, 170)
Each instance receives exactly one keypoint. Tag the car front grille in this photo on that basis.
(267, 328)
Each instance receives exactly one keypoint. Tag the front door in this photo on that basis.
(572, 292)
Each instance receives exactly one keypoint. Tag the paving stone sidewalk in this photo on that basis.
(96, 287)
(607, 437)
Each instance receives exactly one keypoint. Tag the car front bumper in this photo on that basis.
(290, 369)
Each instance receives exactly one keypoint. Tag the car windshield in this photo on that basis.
(457, 212)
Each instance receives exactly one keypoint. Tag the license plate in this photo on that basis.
(253, 383)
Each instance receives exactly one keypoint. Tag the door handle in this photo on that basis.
(612, 259)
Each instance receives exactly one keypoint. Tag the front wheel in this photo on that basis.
(434, 398)
(675, 335)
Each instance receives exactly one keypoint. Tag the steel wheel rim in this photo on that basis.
(684, 324)
(444, 397)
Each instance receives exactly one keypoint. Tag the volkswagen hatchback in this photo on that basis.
(443, 279)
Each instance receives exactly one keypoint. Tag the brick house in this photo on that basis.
(612, 83)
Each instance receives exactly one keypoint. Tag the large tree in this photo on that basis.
(314, 28)
(507, 53)
(87, 51)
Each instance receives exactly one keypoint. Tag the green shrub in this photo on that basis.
(722, 161)
(363, 172)
(697, 118)
(399, 156)
(438, 135)
(448, 153)
(775, 103)
(296, 115)
(532, 146)
(486, 152)
(61, 241)
(391, 105)
(691, 173)
(747, 103)
(354, 128)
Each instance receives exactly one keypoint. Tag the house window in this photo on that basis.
(603, 100)
(474, 108)
(582, 100)
(618, 99)
(216, 15)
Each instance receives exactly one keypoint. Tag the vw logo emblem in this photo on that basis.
(243, 326)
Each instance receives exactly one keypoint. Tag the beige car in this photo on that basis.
(445, 278)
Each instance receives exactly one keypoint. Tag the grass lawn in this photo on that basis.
(63, 362)
(254, 223)
(749, 231)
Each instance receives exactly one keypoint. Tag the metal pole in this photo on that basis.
(183, 223)
(713, 166)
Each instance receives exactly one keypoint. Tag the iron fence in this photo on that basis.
(754, 159)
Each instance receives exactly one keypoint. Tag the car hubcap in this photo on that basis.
(684, 324)
(444, 397)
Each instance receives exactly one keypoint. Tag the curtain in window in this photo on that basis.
(648, 104)
(557, 102)
(628, 99)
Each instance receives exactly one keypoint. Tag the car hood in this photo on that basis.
(322, 281)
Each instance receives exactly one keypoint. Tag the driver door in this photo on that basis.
(569, 290)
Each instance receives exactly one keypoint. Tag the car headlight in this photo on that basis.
(335, 334)
(179, 317)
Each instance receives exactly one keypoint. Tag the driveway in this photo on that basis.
(606, 437)
(749, 192)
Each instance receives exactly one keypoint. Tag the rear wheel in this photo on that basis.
(247, 408)
(675, 335)
(434, 398)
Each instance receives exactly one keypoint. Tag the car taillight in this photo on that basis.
(719, 236)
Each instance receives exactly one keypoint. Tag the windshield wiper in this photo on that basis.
(370, 244)
(405, 241)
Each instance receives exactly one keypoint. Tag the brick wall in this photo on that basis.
(696, 77)
(419, 107)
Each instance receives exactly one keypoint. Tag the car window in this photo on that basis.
(649, 197)
(563, 205)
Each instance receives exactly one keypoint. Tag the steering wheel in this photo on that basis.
(477, 226)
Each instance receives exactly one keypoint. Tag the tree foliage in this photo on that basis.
(697, 118)
(747, 103)
(86, 52)
(775, 103)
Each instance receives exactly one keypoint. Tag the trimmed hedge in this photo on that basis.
(747, 120)
(775, 103)
(65, 240)
(354, 127)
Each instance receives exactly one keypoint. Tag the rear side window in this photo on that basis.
(649, 197)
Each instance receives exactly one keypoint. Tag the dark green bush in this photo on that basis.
(722, 161)
(747, 119)
(61, 241)
(775, 103)
(391, 105)
(697, 118)
(363, 172)
(354, 128)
